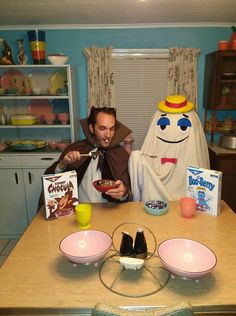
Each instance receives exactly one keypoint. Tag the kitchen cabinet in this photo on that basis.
(19, 196)
(13, 214)
(225, 160)
(30, 90)
(21, 185)
(37, 90)
(219, 89)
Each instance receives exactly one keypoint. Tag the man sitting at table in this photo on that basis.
(103, 135)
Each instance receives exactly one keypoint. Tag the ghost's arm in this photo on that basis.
(136, 175)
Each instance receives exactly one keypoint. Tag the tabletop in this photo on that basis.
(36, 276)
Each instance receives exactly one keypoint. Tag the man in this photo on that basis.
(103, 134)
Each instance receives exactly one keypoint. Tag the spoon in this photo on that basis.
(151, 156)
(92, 154)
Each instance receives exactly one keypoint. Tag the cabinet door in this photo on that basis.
(220, 80)
(13, 217)
(33, 187)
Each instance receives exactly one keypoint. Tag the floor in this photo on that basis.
(6, 246)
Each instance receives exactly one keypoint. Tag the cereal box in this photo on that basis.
(205, 186)
(60, 194)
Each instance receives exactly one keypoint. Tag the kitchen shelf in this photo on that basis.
(60, 76)
(219, 92)
(32, 96)
(36, 126)
(219, 127)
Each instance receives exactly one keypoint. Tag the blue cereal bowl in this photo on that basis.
(156, 207)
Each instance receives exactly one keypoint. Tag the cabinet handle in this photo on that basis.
(16, 177)
(47, 158)
(30, 178)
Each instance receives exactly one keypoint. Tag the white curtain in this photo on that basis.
(100, 77)
(182, 73)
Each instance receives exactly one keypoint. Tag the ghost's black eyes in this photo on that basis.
(184, 123)
(163, 122)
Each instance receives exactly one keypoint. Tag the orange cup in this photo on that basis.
(233, 45)
(187, 206)
(223, 45)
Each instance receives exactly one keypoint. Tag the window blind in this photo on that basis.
(140, 79)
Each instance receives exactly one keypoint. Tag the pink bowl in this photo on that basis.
(62, 146)
(49, 118)
(63, 117)
(52, 144)
(186, 258)
(88, 246)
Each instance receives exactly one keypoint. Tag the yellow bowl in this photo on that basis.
(23, 119)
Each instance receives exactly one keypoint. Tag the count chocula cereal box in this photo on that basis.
(205, 186)
(60, 194)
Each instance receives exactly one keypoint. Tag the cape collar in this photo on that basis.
(120, 133)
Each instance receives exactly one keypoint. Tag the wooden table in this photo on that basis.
(37, 279)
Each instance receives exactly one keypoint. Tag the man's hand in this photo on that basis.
(71, 157)
(118, 193)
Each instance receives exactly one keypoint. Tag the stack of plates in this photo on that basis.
(26, 145)
(58, 79)
(39, 82)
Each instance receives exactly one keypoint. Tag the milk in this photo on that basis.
(205, 186)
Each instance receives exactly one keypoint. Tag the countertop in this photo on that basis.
(220, 150)
(37, 279)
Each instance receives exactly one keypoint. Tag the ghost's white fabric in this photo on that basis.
(179, 136)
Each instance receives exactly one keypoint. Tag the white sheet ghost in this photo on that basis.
(174, 141)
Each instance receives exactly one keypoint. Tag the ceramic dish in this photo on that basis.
(60, 106)
(186, 258)
(27, 145)
(12, 91)
(39, 107)
(57, 59)
(104, 185)
(156, 207)
(88, 246)
(131, 263)
(49, 117)
(39, 81)
(8, 77)
(58, 79)
(23, 119)
(63, 118)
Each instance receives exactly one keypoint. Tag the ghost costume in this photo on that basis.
(173, 142)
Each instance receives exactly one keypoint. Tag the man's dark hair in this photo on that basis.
(92, 119)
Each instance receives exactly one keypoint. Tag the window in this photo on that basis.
(140, 78)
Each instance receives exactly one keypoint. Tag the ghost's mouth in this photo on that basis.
(172, 142)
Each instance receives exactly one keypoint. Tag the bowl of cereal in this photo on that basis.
(156, 207)
(104, 185)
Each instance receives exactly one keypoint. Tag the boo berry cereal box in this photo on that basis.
(60, 194)
(205, 186)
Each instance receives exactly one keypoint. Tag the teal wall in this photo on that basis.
(73, 41)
